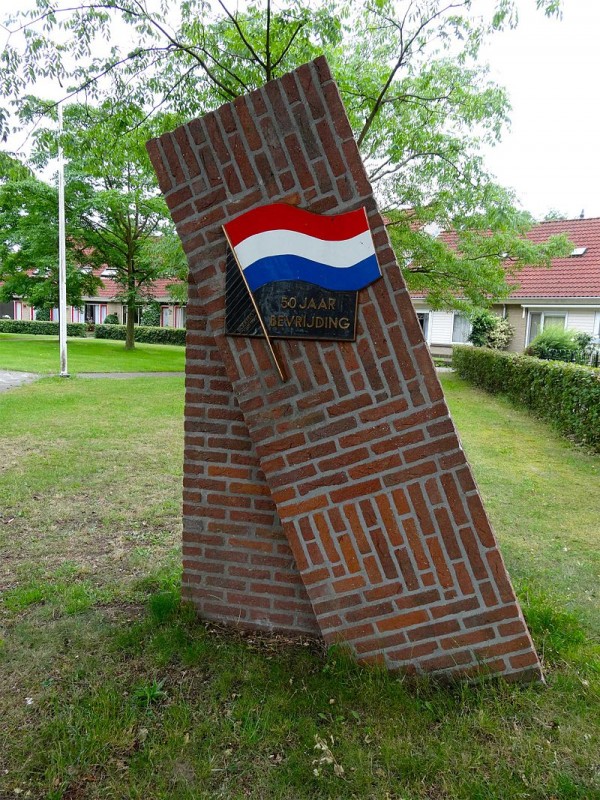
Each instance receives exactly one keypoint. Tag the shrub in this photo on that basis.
(111, 319)
(151, 315)
(482, 323)
(568, 395)
(142, 334)
(554, 344)
(489, 330)
(499, 338)
(42, 315)
(40, 328)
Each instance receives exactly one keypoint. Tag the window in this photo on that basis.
(579, 251)
(461, 328)
(423, 317)
(137, 319)
(91, 312)
(597, 325)
(535, 325)
(554, 321)
(541, 320)
(179, 317)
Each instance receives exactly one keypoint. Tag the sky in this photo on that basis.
(551, 69)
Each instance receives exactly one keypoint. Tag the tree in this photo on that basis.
(29, 244)
(118, 217)
(418, 98)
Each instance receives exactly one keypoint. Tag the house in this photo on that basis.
(567, 294)
(96, 308)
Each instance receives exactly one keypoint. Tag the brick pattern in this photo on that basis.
(237, 563)
(360, 455)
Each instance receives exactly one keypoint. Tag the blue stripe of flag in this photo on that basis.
(295, 268)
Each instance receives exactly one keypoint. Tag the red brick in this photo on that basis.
(384, 553)
(343, 459)
(455, 608)
(435, 629)
(401, 621)
(480, 520)
(528, 659)
(393, 407)
(406, 568)
(503, 648)
(413, 473)
(439, 561)
(449, 662)
(489, 617)
(472, 637)
(490, 597)
(349, 553)
(375, 466)
(472, 549)
(447, 532)
(247, 123)
(355, 490)
(512, 628)
(413, 651)
(373, 570)
(389, 520)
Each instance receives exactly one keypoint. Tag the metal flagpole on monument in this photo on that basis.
(62, 254)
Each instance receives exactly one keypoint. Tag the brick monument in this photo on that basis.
(338, 502)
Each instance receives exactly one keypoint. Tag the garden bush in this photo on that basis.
(40, 328)
(42, 314)
(143, 333)
(568, 395)
(111, 319)
(490, 330)
(151, 315)
(557, 344)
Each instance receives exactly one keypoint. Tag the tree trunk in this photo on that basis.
(129, 330)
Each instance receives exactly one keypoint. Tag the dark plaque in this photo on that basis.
(290, 309)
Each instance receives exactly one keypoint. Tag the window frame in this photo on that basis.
(543, 314)
(456, 314)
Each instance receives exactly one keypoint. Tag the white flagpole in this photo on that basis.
(62, 254)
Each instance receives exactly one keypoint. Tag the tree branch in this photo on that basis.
(288, 45)
(404, 51)
(242, 36)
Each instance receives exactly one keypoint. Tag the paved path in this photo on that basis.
(9, 380)
(125, 375)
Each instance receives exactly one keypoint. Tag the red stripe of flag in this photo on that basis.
(280, 216)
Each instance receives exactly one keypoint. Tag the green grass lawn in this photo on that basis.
(110, 688)
(28, 353)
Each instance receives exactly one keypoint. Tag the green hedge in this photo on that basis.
(568, 395)
(143, 333)
(40, 328)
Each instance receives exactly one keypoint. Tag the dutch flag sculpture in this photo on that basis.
(279, 242)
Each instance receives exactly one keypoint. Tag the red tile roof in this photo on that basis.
(109, 289)
(571, 277)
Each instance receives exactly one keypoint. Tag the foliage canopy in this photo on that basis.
(419, 99)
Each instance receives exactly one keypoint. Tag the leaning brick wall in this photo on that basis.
(360, 455)
(237, 563)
